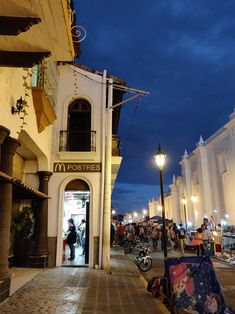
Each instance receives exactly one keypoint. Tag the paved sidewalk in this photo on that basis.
(82, 290)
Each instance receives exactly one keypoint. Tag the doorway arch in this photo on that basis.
(77, 207)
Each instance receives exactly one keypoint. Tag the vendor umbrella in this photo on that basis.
(154, 218)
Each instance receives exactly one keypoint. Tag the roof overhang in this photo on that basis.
(22, 190)
(116, 163)
(38, 27)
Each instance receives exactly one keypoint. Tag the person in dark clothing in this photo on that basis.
(181, 236)
(71, 239)
(176, 230)
(112, 234)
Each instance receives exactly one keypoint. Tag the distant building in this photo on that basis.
(206, 183)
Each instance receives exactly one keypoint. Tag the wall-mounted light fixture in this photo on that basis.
(18, 107)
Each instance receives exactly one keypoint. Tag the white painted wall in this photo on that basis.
(11, 89)
(90, 88)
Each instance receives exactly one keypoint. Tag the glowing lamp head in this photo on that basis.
(160, 158)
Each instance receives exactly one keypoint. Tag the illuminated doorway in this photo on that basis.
(76, 207)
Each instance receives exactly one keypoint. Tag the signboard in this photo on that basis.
(76, 167)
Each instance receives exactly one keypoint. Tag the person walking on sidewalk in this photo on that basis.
(205, 236)
(172, 237)
(121, 234)
(198, 242)
(181, 237)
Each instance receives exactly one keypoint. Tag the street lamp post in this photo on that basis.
(160, 158)
(184, 202)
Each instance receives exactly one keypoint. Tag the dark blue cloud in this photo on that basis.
(182, 52)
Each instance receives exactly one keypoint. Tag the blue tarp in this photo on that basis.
(194, 287)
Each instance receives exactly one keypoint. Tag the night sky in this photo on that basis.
(183, 53)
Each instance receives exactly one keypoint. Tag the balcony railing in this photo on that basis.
(116, 146)
(77, 141)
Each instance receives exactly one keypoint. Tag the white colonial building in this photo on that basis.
(205, 187)
(85, 160)
(59, 149)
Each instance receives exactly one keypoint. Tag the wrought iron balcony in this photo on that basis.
(77, 141)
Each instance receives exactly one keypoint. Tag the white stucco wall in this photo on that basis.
(91, 88)
(11, 89)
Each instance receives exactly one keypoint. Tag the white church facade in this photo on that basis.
(205, 187)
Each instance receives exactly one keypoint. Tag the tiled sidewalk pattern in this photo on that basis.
(67, 290)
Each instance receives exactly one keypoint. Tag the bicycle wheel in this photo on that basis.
(145, 264)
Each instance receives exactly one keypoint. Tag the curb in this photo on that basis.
(162, 309)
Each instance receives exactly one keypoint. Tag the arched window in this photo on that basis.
(79, 126)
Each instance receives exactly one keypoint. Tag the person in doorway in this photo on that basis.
(83, 235)
(71, 239)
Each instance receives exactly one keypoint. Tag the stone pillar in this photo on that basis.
(41, 216)
(187, 188)
(8, 150)
(205, 180)
(3, 134)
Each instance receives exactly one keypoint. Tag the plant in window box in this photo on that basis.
(22, 229)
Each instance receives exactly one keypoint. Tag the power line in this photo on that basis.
(115, 86)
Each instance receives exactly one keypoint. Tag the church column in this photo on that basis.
(206, 186)
(8, 150)
(175, 201)
(41, 219)
(188, 191)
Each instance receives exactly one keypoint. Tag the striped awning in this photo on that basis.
(20, 189)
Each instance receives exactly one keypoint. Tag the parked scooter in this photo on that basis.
(143, 260)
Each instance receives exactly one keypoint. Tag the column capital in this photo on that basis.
(44, 175)
(10, 145)
(4, 132)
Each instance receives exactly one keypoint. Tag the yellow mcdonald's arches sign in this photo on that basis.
(76, 167)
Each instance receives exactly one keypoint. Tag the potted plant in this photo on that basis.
(22, 229)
